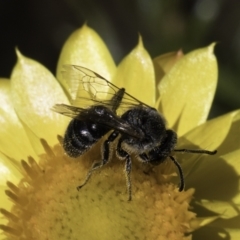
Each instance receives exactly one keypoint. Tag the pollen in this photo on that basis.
(47, 204)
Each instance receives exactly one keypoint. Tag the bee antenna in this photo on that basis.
(181, 187)
(196, 151)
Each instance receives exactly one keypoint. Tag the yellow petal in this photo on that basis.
(34, 91)
(13, 139)
(231, 233)
(221, 172)
(232, 140)
(167, 61)
(209, 135)
(9, 171)
(232, 159)
(6, 204)
(232, 181)
(163, 63)
(236, 199)
(85, 48)
(214, 177)
(229, 228)
(200, 222)
(187, 90)
(226, 210)
(136, 74)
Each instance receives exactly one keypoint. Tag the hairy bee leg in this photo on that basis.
(128, 167)
(105, 157)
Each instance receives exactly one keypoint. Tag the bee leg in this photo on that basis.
(128, 167)
(147, 168)
(105, 157)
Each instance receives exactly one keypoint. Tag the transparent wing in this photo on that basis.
(110, 120)
(87, 88)
(67, 110)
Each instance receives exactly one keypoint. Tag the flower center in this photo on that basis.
(47, 204)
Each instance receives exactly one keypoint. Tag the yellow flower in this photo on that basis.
(40, 200)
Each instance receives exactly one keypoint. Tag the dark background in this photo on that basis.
(40, 27)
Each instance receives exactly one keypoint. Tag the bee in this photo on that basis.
(100, 108)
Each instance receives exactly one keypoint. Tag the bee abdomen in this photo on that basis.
(80, 136)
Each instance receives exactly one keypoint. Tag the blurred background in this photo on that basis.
(39, 28)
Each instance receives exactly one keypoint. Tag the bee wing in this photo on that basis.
(113, 121)
(87, 88)
(67, 110)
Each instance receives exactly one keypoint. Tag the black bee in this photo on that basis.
(103, 108)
